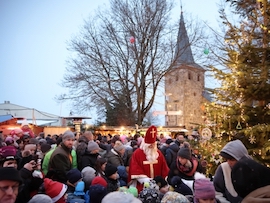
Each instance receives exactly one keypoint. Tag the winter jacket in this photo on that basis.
(46, 160)
(30, 186)
(60, 163)
(171, 153)
(115, 158)
(88, 159)
(225, 191)
(249, 175)
(176, 169)
(113, 185)
(80, 150)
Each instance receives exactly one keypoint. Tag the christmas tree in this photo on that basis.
(241, 106)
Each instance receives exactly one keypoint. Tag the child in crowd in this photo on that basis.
(74, 176)
(55, 190)
(122, 197)
(174, 197)
(88, 174)
(40, 198)
(100, 167)
(204, 191)
(98, 189)
(112, 178)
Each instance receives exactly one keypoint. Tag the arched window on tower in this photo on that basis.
(189, 76)
(198, 77)
(176, 78)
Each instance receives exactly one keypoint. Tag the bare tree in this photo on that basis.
(120, 58)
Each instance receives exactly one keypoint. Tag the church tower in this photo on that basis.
(184, 86)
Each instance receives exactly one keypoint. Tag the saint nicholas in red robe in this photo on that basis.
(147, 162)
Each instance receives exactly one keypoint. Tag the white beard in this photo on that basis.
(150, 153)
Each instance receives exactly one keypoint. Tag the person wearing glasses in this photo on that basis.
(31, 176)
(10, 182)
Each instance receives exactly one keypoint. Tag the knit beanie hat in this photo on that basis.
(118, 146)
(97, 193)
(169, 141)
(45, 148)
(17, 132)
(74, 175)
(185, 151)
(123, 138)
(203, 189)
(133, 143)
(10, 173)
(42, 141)
(54, 189)
(7, 152)
(25, 137)
(79, 189)
(88, 174)
(174, 197)
(92, 145)
(68, 135)
(9, 140)
(110, 170)
(40, 198)
(118, 196)
(33, 141)
(160, 181)
(149, 195)
(99, 181)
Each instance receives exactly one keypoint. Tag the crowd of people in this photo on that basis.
(100, 169)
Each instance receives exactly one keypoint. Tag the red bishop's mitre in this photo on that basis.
(151, 135)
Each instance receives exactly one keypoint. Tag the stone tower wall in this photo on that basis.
(183, 88)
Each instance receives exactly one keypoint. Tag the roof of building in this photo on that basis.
(4, 118)
(183, 52)
(32, 115)
(24, 112)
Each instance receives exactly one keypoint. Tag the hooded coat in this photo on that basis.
(225, 191)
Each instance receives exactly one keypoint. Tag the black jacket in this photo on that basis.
(88, 159)
(171, 153)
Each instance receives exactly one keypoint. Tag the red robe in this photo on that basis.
(140, 168)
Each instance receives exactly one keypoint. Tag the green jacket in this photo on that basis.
(46, 160)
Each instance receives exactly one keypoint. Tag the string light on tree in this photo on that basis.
(252, 139)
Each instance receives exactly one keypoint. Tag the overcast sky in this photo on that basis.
(33, 46)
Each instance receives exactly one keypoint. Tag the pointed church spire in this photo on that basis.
(183, 53)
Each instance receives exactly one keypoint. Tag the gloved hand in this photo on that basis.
(144, 180)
